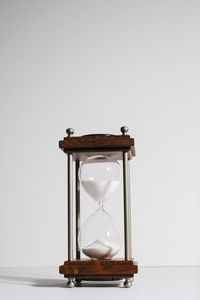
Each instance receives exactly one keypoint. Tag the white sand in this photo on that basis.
(99, 190)
(101, 249)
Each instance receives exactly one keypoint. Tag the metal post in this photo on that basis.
(129, 211)
(127, 236)
(77, 209)
(70, 205)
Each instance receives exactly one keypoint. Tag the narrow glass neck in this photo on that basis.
(100, 205)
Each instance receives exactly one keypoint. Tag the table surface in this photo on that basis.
(150, 283)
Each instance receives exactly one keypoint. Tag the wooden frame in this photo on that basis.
(119, 147)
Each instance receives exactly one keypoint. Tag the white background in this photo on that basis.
(95, 66)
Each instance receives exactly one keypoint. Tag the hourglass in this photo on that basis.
(100, 237)
(98, 171)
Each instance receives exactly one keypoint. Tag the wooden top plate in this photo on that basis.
(111, 145)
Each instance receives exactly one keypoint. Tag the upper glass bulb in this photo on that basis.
(100, 176)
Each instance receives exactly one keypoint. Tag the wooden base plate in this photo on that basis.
(99, 269)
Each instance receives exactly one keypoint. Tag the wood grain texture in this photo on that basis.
(99, 268)
(97, 142)
(84, 146)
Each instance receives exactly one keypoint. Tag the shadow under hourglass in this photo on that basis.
(115, 283)
(20, 278)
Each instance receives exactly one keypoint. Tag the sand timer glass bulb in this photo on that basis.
(100, 237)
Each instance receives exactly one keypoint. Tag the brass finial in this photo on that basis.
(124, 130)
(70, 131)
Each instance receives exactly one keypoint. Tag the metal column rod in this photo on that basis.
(129, 211)
(77, 209)
(70, 205)
(127, 229)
